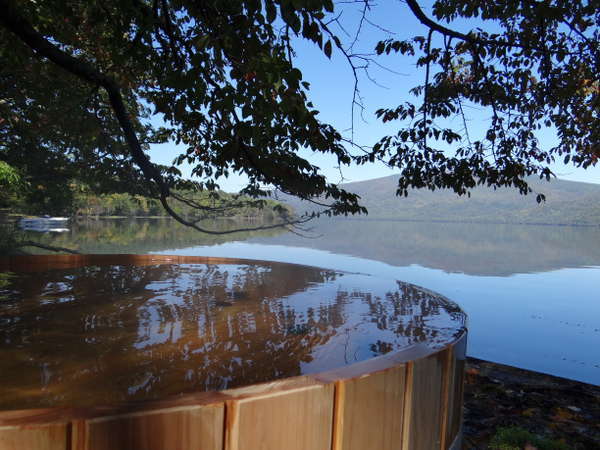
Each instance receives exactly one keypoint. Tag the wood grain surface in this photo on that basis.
(454, 411)
(197, 428)
(295, 419)
(369, 411)
(423, 402)
(46, 437)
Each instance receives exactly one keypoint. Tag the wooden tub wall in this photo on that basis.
(406, 400)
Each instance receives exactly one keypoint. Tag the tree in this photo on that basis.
(82, 81)
(10, 182)
(541, 69)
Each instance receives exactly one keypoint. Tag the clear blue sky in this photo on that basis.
(332, 87)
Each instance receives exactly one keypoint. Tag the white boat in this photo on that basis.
(44, 223)
(44, 219)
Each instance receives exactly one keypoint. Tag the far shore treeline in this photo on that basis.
(82, 202)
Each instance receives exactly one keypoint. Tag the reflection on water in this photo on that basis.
(96, 335)
(143, 235)
(531, 292)
(474, 249)
(471, 248)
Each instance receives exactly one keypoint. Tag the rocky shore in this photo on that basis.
(497, 397)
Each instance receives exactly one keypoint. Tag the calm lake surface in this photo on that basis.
(531, 292)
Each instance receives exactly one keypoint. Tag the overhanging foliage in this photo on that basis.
(82, 85)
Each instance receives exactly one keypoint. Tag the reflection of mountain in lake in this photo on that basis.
(567, 203)
(476, 249)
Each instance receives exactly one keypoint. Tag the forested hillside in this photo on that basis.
(80, 201)
(126, 205)
(567, 203)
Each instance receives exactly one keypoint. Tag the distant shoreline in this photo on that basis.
(372, 219)
(357, 219)
(476, 222)
(16, 216)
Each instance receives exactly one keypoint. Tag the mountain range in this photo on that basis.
(567, 203)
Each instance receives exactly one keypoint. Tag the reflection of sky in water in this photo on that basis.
(354, 340)
(547, 321)
(165, 329)
(168, 293)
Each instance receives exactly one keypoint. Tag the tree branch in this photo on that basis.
(419, 14)
(47, 247)
(426, 89)
(181, 220)
(82, 69)
(18, 25)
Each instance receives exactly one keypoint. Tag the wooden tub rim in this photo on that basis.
(63, 414)
(65, 261)
(68, 261)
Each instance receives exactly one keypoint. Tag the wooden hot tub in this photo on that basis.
(178, 353)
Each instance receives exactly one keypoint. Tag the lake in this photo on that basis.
(531, 292)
